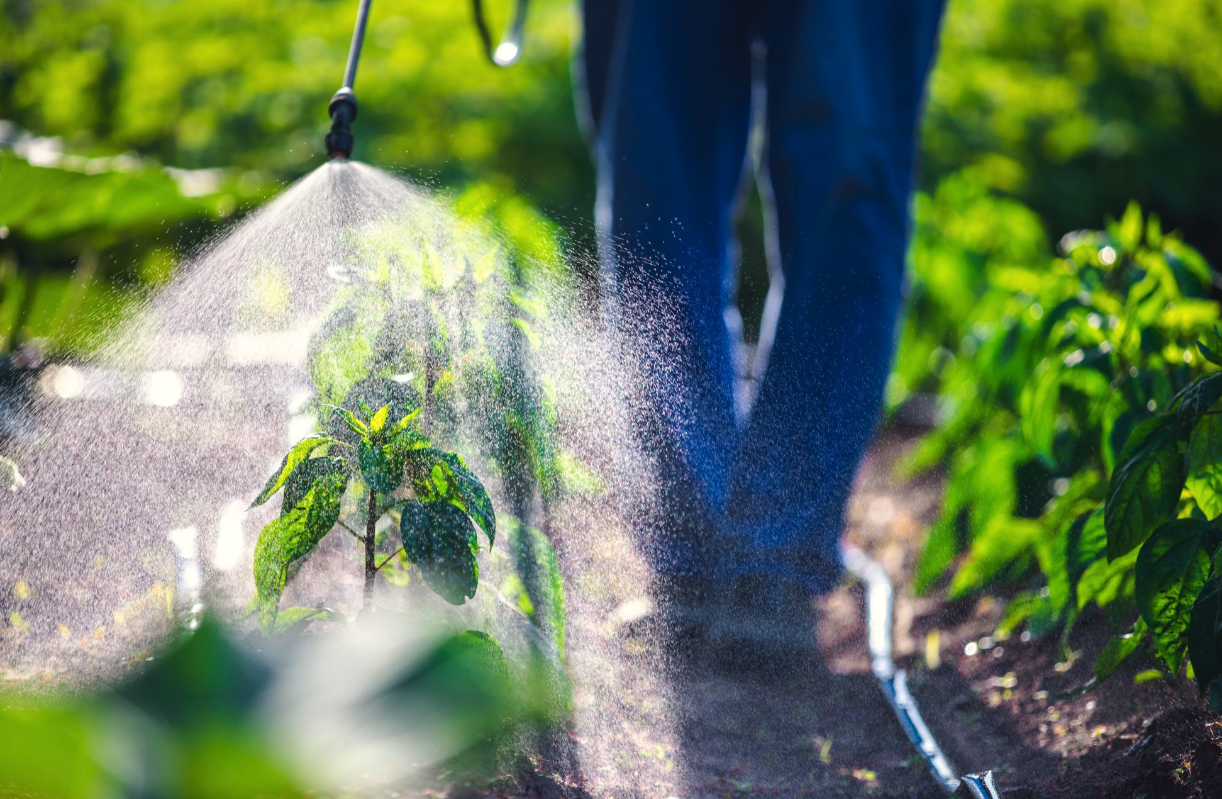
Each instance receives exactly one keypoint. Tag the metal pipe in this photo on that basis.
(880, 614)
(358, 39)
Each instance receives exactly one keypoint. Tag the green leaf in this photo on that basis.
(379, 420)
(1085, 544)
(463, 686)
(291, 536)
(1211, 351)
(1117, 650)
(300, 451)
(1145, 488)
(471, 495)
(1204, 645)
(1105, 581)
(1205, 464)
(440, 539)
(1130, 229)
(402, 424)
(308, 473)
(994, 553)
(1039, 406)
(381, 465)
(1195, 399)
(1171, 569)
(354, 424)
(536, 563)
(444, 475)
(396, 394)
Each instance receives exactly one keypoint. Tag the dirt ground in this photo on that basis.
(824, 730)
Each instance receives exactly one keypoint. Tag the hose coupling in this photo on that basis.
(342, 110)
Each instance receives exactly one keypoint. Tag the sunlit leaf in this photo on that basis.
(292, 536)
(1118, 650)
(300, 451)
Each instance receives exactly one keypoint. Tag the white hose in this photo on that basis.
(880, 614)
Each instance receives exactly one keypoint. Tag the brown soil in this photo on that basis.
(825, 730)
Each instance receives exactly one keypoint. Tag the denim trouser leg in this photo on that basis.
(845, 80)
(672, 139)
(670, 89)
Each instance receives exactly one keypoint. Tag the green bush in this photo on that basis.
(1077, 407)
(1076, 106)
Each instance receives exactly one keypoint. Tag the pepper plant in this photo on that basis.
(447, 309)
(392, 468)
(1078, 433)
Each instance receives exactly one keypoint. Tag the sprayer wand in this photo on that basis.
(342, 107)
(343, 103)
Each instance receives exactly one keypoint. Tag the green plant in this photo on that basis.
(446, 308)
(1070, 401)
(384, 458)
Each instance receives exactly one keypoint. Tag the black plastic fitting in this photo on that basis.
(342, 109)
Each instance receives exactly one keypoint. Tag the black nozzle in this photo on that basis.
(343, 111)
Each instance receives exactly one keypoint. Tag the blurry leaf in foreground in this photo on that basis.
(204, 678)
(45, 750)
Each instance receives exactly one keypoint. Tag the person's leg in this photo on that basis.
(672, 138)
(845, 80)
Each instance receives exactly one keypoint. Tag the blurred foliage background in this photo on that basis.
(134, 127)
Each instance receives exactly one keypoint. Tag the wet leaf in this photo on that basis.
(293, 619)
(1117, 650)
(536, 563)
(378, 420)
(349, 418)
(309, 472)
(444, 475)
(381, 465)
(1086, 543)
(300, 451)
(440, 539)
(292, 536)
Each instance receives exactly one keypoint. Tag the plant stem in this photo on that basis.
(371, 521)
(389, 558)
(358, 536)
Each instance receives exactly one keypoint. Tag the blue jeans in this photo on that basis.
(669, 87)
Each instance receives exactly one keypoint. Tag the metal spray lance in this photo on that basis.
(343, 107)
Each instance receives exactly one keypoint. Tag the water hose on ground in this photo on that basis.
(880, 613)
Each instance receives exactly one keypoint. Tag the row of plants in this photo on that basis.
(1080, 429)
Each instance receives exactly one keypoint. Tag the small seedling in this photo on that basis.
(393, 470)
